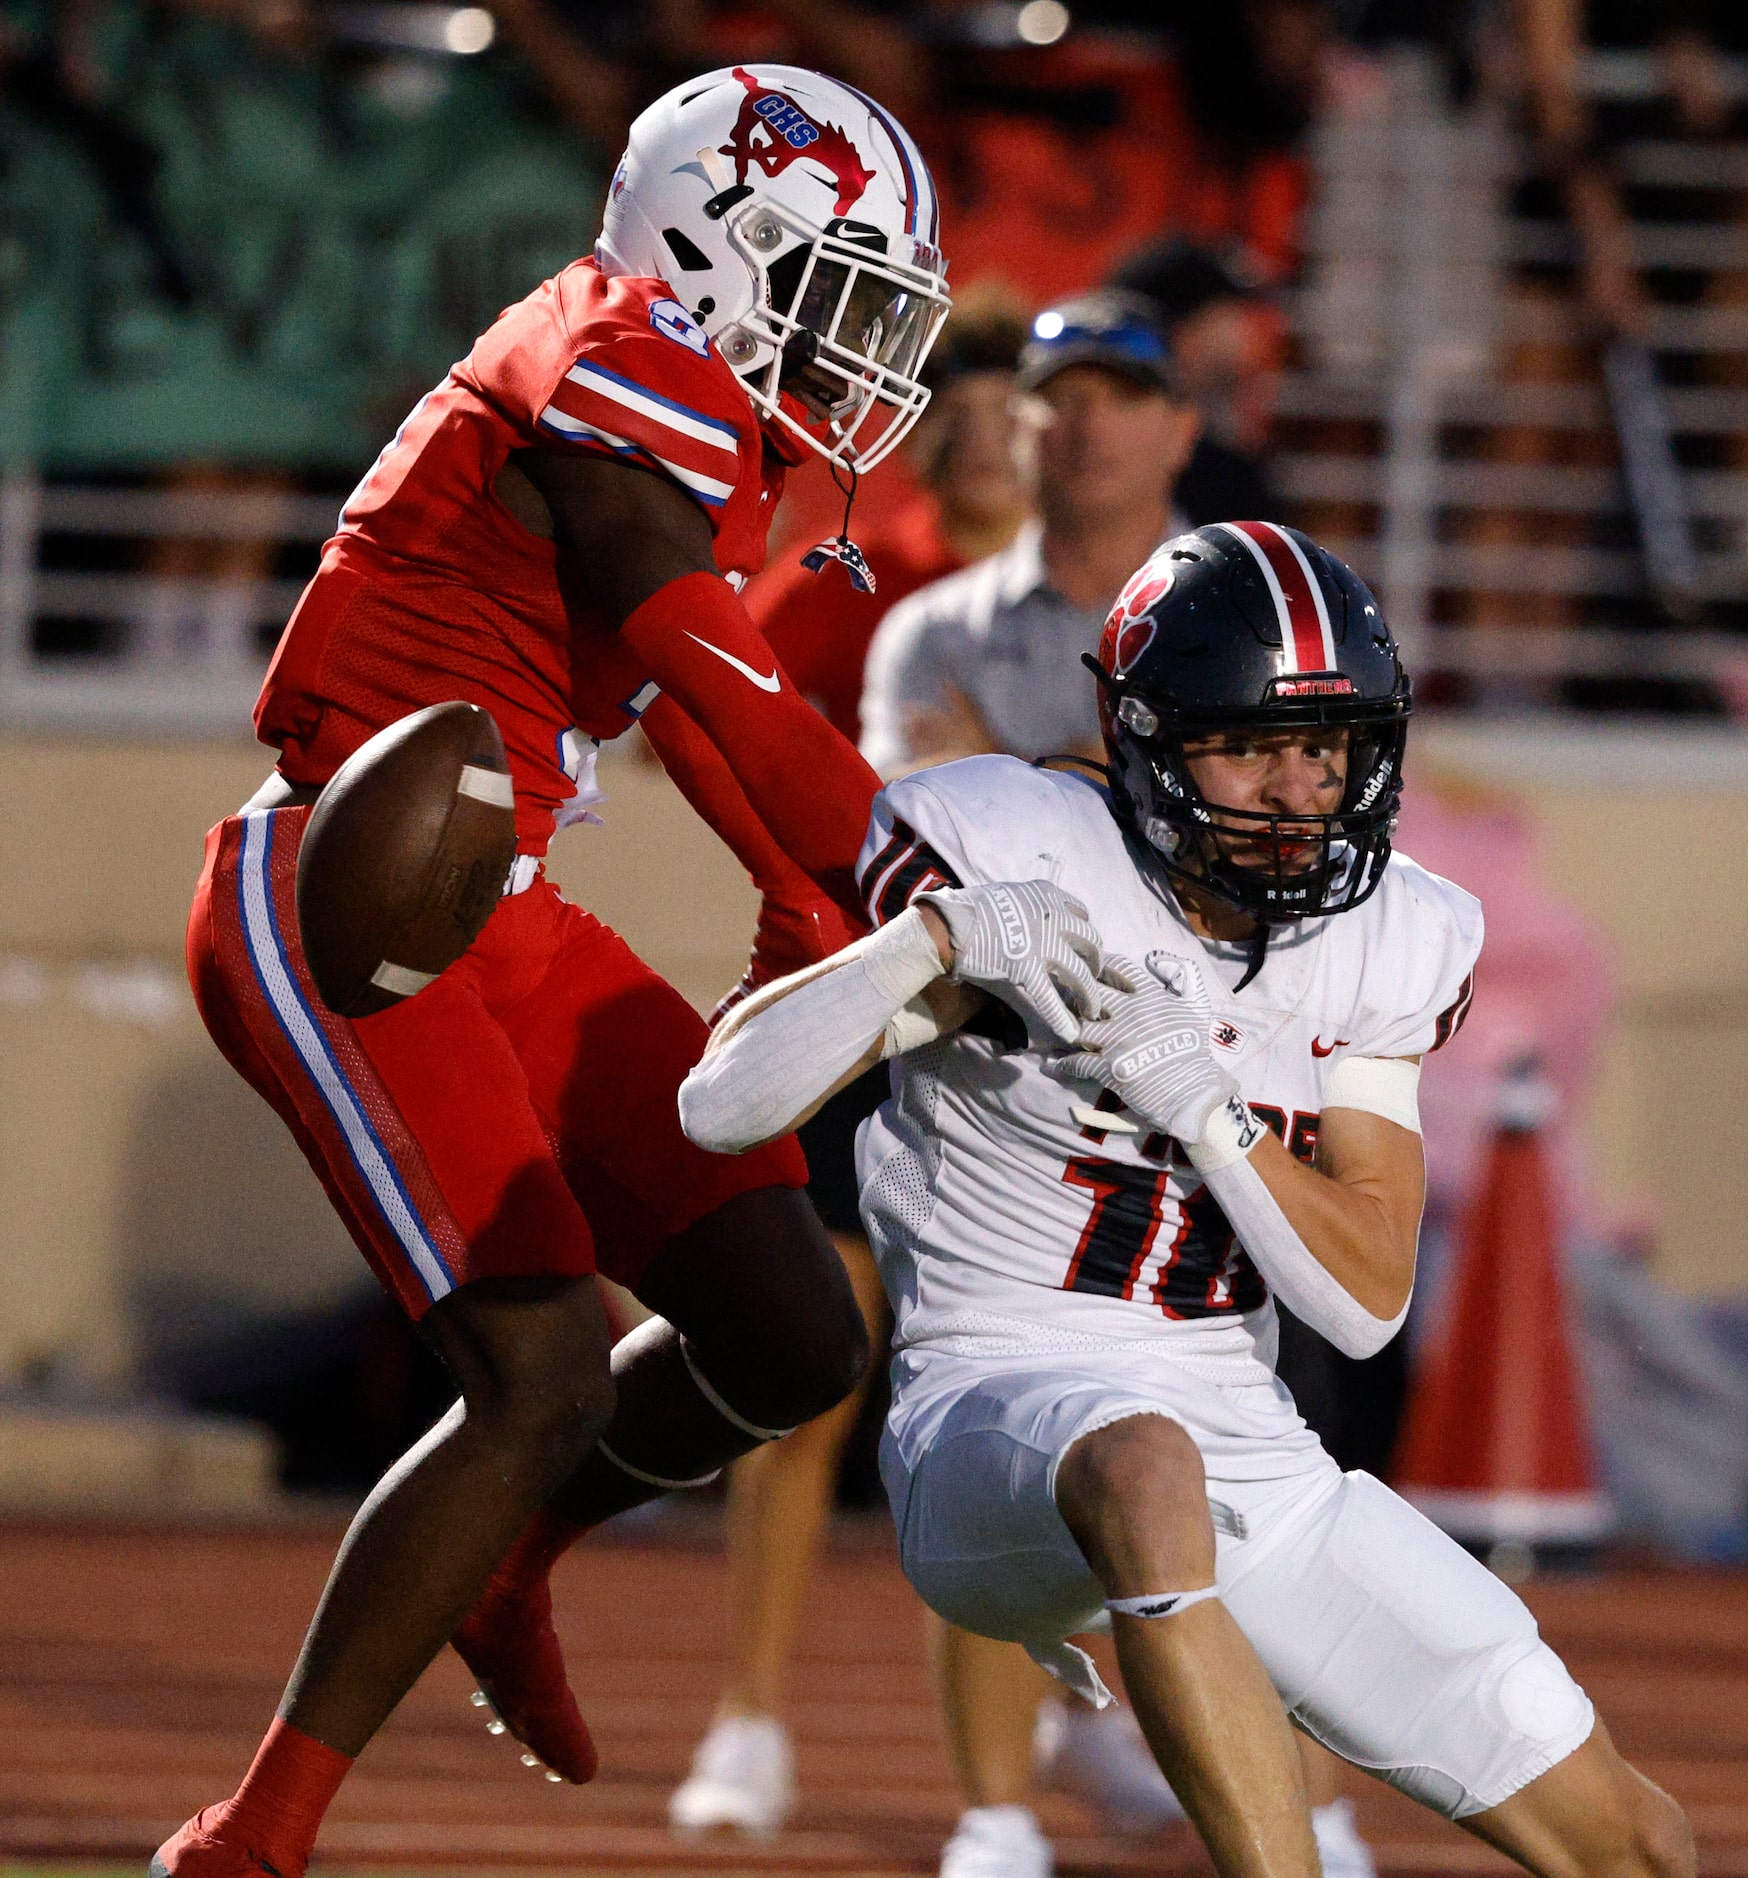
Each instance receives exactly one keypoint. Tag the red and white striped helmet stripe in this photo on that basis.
(1307, 643)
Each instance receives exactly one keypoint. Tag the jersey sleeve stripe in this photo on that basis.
(920, 871)
(914, 869)
(894, 894)
(899, 842)
(583, 405)
(1450, 1020)
(708, 489)
(653, 406)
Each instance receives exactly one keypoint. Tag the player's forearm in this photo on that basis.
(1341, 1258)
(772, 1061)
(798, 924)
(1348, 1229)
(702, 775)
(804, 781)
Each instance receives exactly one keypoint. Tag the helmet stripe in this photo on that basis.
(901, 143)
(1307, 641)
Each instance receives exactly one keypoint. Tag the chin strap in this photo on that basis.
(841, 547)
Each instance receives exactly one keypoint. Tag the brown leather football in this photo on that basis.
(406, 853)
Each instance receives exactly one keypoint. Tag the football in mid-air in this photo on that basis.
(405, 855)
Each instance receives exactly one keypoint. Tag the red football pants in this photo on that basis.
(516, 1118)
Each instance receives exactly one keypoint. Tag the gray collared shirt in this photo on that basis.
(1000, 634)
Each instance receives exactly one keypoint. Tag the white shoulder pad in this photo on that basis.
(1423, 935)
(982, 818)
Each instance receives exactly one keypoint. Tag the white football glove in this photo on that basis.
(1152, 1047)
(1029, 944)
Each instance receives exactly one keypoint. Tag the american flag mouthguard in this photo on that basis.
(841, 548)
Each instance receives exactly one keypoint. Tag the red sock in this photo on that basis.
(271, 1821)
(544, 1541)
(289, 1786)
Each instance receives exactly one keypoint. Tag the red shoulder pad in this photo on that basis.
(648, 385)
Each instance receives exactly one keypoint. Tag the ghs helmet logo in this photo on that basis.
(1130, 628)
(791, 133)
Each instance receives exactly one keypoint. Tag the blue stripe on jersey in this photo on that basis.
(291, 1009)
(585, 437)
(673, 404)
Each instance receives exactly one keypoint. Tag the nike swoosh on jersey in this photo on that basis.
(772, 682)
(1320, 1048)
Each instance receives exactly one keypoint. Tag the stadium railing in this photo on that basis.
(158, 653)
(1447, 431)
(1449, 428)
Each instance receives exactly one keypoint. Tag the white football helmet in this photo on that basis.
(795, 221)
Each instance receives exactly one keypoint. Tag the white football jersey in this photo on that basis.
(1012, 1210)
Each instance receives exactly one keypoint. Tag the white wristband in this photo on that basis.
(1228, 1135)
(1381, 1085)
(913, 1025)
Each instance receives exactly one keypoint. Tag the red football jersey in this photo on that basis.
(433, 590)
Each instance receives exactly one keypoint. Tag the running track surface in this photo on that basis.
(137, 1669)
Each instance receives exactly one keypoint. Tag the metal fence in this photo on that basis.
(1450, 429)
(1447, 432)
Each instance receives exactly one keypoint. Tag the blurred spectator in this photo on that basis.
(989, 659)
(1225, 344)
(1062, 143)
(1564, 132)
(586, 86)
(48, 76)
(309, 230)
(1594, 313)
(968, 503)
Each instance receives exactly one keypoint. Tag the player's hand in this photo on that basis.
(1152, 1047)
(1029, 944)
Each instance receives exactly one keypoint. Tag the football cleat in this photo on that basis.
(1101, 1758)
(997, 1842)
(198, 1849)
(743, 1777)
(511, 1646)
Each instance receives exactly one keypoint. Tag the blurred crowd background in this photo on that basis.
(1461, 288)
